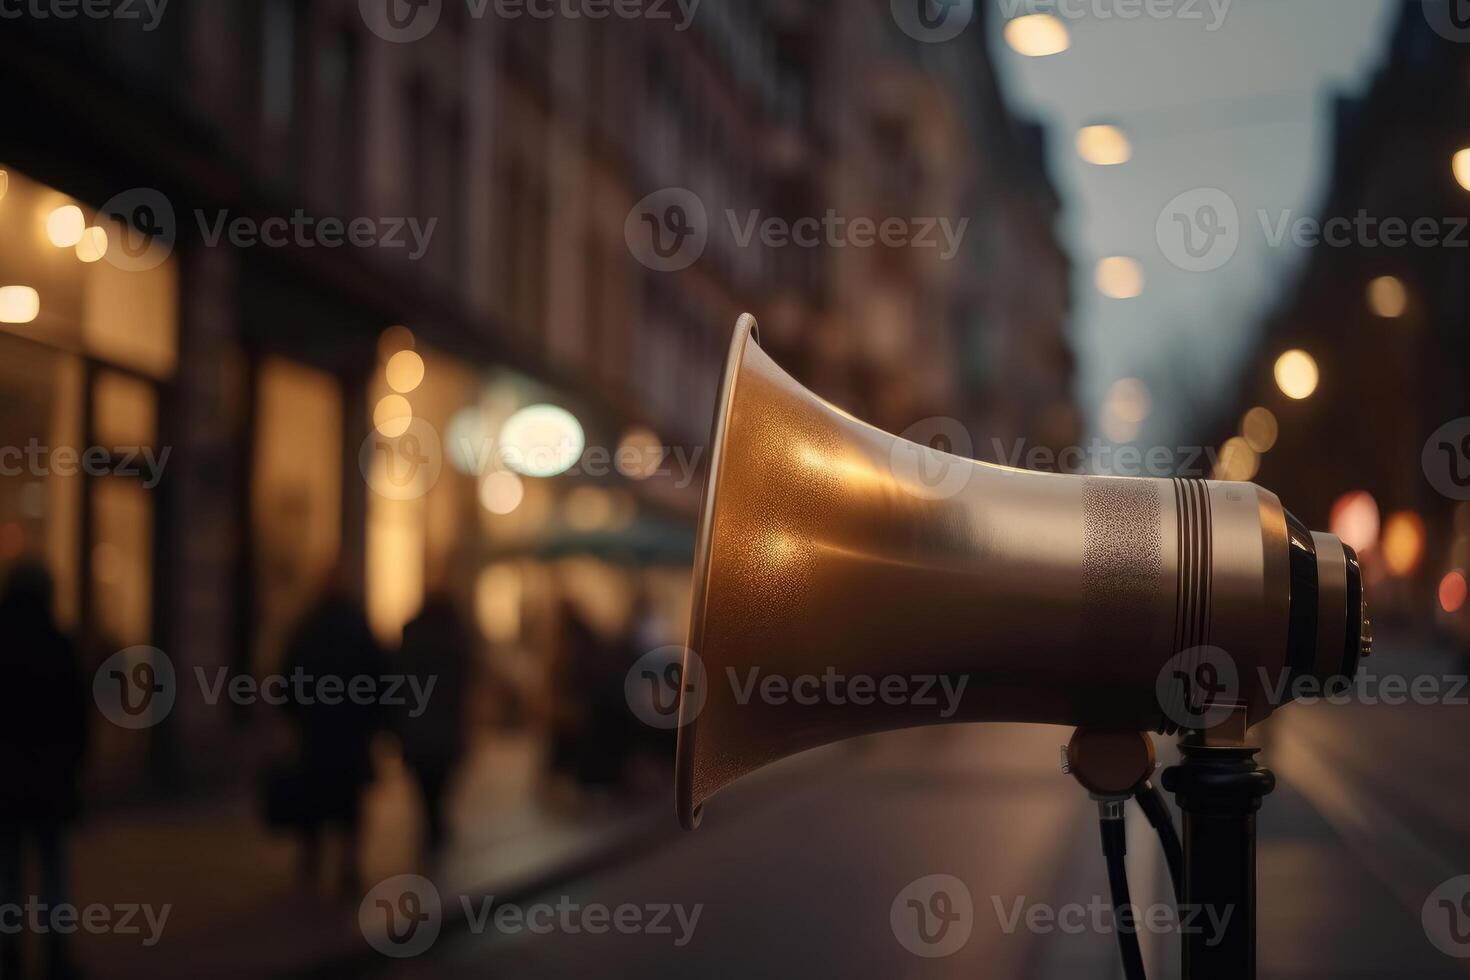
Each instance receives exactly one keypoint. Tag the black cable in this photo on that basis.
(1115, 850)
(1151, 800)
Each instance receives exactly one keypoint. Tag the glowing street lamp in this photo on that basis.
(1119, 277)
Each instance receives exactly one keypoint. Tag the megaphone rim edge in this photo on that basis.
(746, 329)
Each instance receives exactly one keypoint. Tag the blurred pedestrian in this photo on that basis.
(44, 716)
(436, 652)
(331, 647)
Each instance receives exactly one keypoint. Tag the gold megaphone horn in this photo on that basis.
(847, 581)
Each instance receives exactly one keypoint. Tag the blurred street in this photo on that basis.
(797, 875)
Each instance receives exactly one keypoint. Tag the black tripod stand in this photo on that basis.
(1219, 788)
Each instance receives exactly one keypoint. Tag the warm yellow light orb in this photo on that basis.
(1462, 168)
(1119, 277)
(93, 245)
(65, 226)
(392, 416)
(1037, 35)
(1104, 146)
(1297, 375)
(1260, 429)
(1403, 542)
(405, 371)
(501, 492)
(19, 304)
(1387, 297)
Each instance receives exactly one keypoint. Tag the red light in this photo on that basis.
(1452, 591)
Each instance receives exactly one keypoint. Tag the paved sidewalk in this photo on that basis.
(237, 906)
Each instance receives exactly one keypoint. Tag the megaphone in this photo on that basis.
(848, 581)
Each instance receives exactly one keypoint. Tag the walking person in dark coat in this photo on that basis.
(44, 715)
(436, 652)
(333, 643)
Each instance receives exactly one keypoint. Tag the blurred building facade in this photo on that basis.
(526, 142)
(1384, 322)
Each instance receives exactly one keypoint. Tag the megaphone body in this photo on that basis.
(848, 581)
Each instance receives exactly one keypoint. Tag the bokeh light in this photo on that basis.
(1037, 35)
(1260, 429)
(1296, 374)
(93, 245)
(501, 492)
(466, 440)
(1403, 542)
(1103, 145)
(392, 416)
(394, 339)
(19, 304)
(1355, 520)
(1452, 591)
(1388, 297)
(542, 441)
(65, 226)
(405, 371)
(1119, 277)
(640, 454)
(1238, 461)
(1462, 168)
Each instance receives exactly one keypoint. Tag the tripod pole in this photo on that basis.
(1219, 789)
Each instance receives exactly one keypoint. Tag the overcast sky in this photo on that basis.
(1245, 108)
